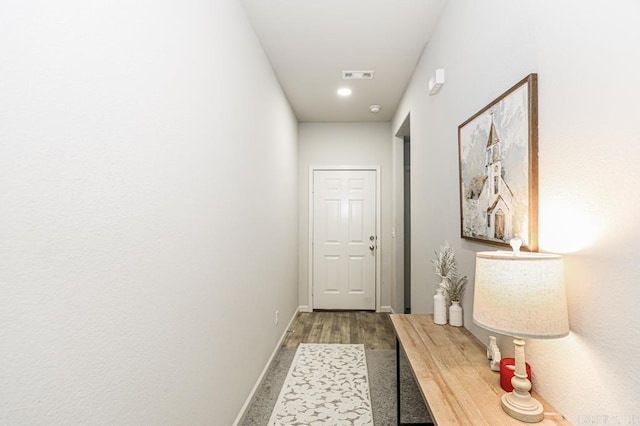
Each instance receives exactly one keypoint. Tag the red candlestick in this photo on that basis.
(507, 371)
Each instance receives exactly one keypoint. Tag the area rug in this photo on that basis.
(326, 384)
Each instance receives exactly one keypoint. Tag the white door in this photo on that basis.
(344, 239)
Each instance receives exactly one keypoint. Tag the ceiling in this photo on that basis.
(310, 43)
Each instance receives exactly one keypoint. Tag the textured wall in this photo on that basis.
(586, 56)
(148, 205)
(590, 144)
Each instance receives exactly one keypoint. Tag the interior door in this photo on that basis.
(344, 239)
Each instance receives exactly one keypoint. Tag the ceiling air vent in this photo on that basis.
(357, 75)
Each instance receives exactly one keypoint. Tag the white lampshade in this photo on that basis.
(520, 294)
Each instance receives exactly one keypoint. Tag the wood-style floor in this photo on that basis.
(372, 329)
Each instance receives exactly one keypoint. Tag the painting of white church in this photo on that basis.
(494, 170)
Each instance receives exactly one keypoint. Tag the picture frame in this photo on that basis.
(498, 165)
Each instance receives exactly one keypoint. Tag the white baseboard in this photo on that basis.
(383, 309)
(243, 410)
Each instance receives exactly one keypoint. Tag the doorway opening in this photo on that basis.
(404, 133)
(407, 223)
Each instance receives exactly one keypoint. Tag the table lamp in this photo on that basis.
(521, 295)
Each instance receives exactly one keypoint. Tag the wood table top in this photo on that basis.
(452, 372)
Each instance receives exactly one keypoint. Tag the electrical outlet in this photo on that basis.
(277, 317)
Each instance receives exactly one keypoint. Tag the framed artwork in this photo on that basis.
(498, 152)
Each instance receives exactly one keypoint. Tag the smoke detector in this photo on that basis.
(357, 75)
(375, 108)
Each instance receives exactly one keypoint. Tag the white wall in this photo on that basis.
(148, 203)
(586, 56)
(353, 144)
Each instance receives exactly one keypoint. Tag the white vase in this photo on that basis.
(455, 314)
(439, 307)
(447, 300)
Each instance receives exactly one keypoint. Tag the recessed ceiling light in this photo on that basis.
(375, 108)
(344, 91)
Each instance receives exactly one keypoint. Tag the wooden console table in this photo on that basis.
(452, 372)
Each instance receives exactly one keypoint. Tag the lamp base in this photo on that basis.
(518, 403)
(522, 407)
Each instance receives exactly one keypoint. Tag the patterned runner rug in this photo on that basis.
(326, 384)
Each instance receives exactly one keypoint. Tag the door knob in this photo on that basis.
(372, 247)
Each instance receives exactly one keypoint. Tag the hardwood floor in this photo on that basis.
(369, 328)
